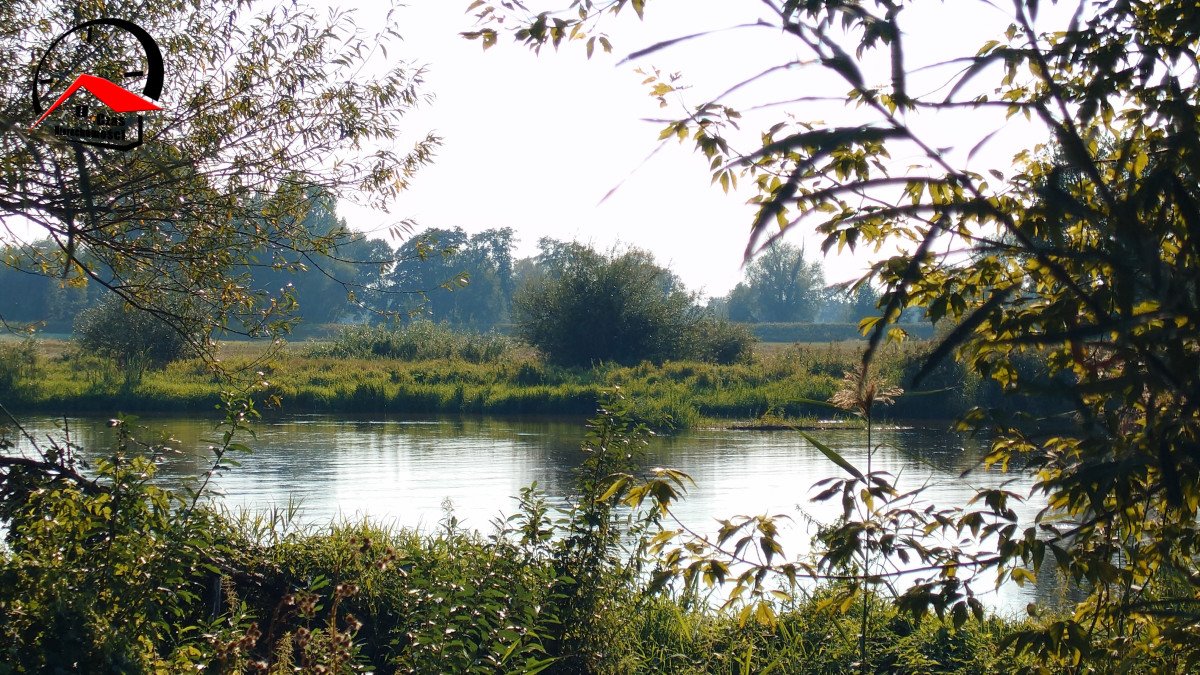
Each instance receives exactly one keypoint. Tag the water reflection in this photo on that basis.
(399, 471)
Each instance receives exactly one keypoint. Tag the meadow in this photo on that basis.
(454, 373)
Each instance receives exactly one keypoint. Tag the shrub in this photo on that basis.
(416, 341)
(720, 341)
(82, 582)
(18, 364)
(593, 308)
(136, 339)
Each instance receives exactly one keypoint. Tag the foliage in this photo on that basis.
(19, 364)
(1085, 255)
(593, 575)
(588, 307)
(719, 341)
(134, 338)
(809, 636)
(416, 341)
(37, 300)
(266, 104)
(475, 271)
(779, 382)
(780, 287)
(447, 601)
(326, 285)
(321, 284)
(856, 302)
(88, 559)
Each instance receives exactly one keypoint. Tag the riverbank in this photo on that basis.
(546, 591)
(360, 598)
(782, 387)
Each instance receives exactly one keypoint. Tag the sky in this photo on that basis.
(536, 142)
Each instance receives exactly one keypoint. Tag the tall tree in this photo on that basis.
(857, 304)
(448, 275)
(781, 287)
(325, 285)
(257, 100)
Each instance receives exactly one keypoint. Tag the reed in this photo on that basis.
(472, 375)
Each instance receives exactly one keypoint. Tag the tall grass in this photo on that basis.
(427, 369)
(19, 364)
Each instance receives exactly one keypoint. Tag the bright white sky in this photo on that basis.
(534, 143)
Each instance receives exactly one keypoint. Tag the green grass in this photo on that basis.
(778, 386)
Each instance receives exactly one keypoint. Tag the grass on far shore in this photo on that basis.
(778, 388)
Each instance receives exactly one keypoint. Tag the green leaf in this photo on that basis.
(834, 456)
(618, 482)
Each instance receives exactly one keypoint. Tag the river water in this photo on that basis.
(405, 472)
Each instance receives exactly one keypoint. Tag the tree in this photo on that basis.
(857, 304)
(263, 108)
(325, 285)
(587, 307)
(1095, 275)
(780, 287)
(740, 306)
(448, 275)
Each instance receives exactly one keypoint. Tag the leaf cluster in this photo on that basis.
(265, 109)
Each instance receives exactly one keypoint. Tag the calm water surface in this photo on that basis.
(403, 471)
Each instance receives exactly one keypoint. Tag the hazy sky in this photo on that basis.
(535, 142)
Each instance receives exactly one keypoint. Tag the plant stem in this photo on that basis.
(862, 632)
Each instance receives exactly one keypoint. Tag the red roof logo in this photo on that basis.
(113, 95)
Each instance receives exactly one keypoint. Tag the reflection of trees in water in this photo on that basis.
(299, 448)
(96, 437)
(306, 451)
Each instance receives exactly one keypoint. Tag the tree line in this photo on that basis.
(445, 275)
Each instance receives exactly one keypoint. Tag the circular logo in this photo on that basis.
(114, 60)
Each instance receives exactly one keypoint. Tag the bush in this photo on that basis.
(82, 583)
(18, 364)
(720, 341)
(136, 339)
(416, 341)
(594, 308)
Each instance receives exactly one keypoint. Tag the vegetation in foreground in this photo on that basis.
(429, 369)
(549, 591)
(1085, 251)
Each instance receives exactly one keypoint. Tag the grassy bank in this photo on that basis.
(554, 592)
(778, 385)
(358, 598)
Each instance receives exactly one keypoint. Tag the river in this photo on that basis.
(405, 472)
